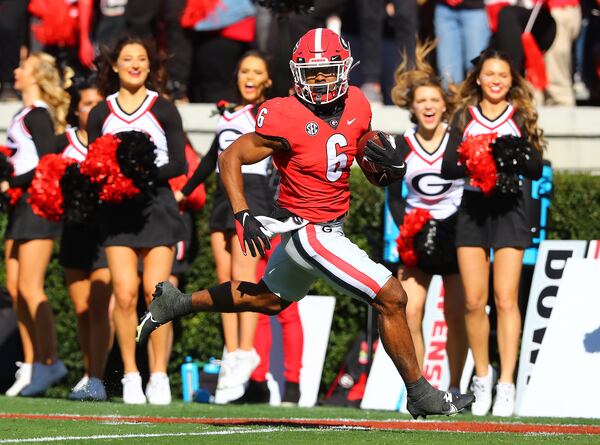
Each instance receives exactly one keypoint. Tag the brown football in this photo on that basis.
(373, 172)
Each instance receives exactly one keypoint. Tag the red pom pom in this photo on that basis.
(476, 154)
(58, 22)
(102, 167)
(414, 220)
(197, 198)
(45, 195)
(196, 10)
(14, 194)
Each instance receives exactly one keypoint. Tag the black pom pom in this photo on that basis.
(136, 157)
(4, 202)
(81, 196)
(510, 153)
(434, 244)
(285, 6)
(6, 168)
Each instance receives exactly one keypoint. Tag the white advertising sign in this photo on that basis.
(546, 281)
(564, 381)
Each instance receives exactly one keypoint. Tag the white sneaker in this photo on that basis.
(158, 390)
(237, 367)
(22, 379)
(44, 376)
(504, 404)
(228, 362)
(81, 383)
(482, 390)
(93, 389)
(132, 389)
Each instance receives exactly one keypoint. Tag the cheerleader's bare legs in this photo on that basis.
(158, 262)
(416, 283)
(90, 293)
(238, 329)
(508, 263)
(474, 265)
(123, 266)
(34, 257)
(24, 320)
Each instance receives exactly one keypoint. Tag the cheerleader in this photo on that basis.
(420, 91)
(253, 81)
(496, 99)
(146, 228)
(29, 238)
(84, 262)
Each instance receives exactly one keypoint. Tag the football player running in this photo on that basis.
(312, 136)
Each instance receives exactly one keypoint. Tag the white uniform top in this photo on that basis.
(230, 126)
(75, 150)
(426, 187)
(503, 125)
(141, 120)
(20, 140)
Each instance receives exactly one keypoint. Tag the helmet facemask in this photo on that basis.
(325, 92)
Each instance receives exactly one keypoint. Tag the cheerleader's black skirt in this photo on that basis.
(142, 222)
(81, 247)
(24, 225)
(495, 222)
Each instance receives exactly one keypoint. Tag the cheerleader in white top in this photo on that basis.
(147, 228)
(497, 100)
(420, 91)
(84, 261)
(253, 81)
(29, 239)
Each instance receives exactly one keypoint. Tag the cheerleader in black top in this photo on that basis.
(29, 238)
(420, 91)
(149, 228)
(253, 81)
(84, 261)
(496, 100)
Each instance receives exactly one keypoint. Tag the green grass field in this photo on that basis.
(61, 421)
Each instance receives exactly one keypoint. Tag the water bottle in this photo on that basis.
(189, 379)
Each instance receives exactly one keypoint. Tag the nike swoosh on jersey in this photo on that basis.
(350, 121)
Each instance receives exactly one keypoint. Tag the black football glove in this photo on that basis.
(387, 157)
(250, 231)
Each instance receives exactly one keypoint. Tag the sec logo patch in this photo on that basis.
(312, 128)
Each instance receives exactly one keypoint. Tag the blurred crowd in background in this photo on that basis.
(202, 40)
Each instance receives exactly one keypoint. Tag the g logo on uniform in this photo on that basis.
(430, 184)
(312, 128)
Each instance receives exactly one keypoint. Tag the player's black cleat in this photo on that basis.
(168, 303)
(438, 402)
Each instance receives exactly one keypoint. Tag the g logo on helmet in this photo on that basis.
(312, 128)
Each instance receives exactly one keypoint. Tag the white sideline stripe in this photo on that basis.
(135, 436)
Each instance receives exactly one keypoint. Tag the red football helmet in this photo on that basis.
(321, 50)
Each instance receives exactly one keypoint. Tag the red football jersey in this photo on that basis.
(315, 171)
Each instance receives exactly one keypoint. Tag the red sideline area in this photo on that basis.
(448, 426)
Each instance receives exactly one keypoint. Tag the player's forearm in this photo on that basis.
(230, 168)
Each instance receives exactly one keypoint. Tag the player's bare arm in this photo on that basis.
(247, 149)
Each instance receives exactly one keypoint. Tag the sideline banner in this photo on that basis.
(547, 278)
(316, 314)
(564, 382)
